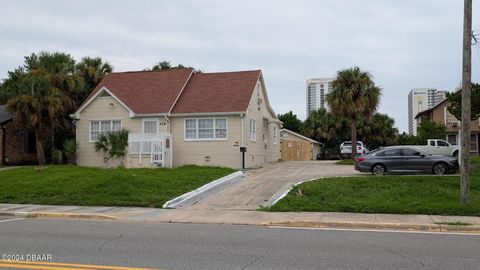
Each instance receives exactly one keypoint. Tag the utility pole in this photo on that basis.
(466, 103)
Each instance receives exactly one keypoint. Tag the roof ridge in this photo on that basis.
(147, 71)
(225, 72)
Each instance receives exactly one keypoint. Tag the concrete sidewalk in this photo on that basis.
(242, 217)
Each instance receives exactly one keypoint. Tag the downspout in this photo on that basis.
(242, 143)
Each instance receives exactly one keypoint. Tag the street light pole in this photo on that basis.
(466, 93)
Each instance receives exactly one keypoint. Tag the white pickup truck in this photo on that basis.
(439, 147)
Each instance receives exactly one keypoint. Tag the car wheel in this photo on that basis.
(440, 169)
(378, 169)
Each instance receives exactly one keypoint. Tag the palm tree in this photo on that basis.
(354, 95)
(58, 68)
(92, 71)
(113, 145)
(36, 108)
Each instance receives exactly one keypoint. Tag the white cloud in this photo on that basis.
(404, 44)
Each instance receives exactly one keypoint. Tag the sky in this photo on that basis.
(404, 44)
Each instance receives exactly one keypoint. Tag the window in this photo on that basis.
(274, 135)
(150, 126)
(473, 143)
(191, 129)
(410, 152)
(265, 133)
(135, 147)
(103, 126)
(432, 143)
(452, 139)
(206, 129)
(392, 153)
(253, 130)
(442, 143)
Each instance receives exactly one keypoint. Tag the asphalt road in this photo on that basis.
(191, 246)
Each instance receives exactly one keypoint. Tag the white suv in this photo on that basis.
(346, 149)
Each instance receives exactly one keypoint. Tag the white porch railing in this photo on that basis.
(155, 146)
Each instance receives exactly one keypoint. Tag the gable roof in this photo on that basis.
(218, 92)
(301, 136)
(5, 116)
(179, 91)
(146, 92)
(427, 111)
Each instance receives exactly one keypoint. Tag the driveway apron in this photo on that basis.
(261, 184)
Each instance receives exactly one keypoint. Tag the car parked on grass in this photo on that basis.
(346, 149)
(404, 159)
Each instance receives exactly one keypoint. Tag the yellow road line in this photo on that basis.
(55, 265)
(24, 266)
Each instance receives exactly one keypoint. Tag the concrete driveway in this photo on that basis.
(261, 184)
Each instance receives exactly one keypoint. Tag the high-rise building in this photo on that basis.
(316, 93)
(420, 99)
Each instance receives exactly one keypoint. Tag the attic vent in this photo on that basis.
(104, 94)
(259, 101)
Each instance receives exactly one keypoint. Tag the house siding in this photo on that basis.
(100, 109)
(257, 151)
(225, 153)
(441, 115)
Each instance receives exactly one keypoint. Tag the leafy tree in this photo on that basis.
(326, 128)
(431, 130)
(379, 131)
(162, 65)
(290, 121)
(113, 145)
(407, 139)
(38, 106)
(354, 95)
(455, 100)
(92, 70)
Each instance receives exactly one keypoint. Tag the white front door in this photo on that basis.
(157, 152)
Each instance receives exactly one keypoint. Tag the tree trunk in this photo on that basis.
(39, 145)
(354, 138)
(466, 103)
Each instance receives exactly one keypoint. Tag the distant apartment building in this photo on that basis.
(316, 93)
(440, 114)
(420, 99)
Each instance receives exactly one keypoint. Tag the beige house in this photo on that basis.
(295, 146)
(177, 117)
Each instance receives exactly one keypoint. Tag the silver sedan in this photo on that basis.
(404, 159)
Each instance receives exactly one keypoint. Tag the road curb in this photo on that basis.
(377, 226)
(174, 203)
(58, 215)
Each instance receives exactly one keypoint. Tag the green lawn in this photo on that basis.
(394, 194)
(345, 162)
(72, 185)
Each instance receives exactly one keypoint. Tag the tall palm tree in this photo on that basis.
(92, 70)
(354, 95)
(37, 108)
(58, 68)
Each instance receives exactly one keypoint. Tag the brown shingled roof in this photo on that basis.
(218, 92)
(154, 92)
(147, 92)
